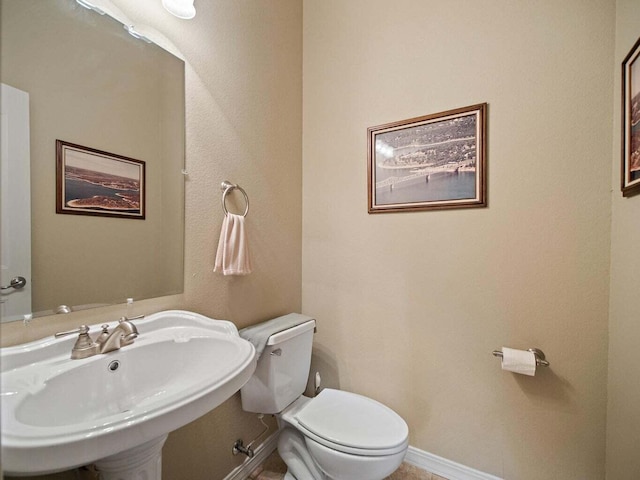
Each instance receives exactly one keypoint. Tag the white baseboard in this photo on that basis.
(419, 458)
(443, 467)
(266, 448)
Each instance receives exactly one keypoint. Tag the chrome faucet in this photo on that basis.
(123, 334)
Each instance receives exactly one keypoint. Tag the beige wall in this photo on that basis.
(113, 99)
(411, 305)
(623, 420)
(243, 105)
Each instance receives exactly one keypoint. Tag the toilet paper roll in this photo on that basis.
(518, 361)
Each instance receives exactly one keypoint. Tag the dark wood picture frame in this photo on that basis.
(433, 162)
(98, 183)
(630, 176)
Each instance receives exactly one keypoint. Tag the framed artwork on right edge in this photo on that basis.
(631, 122)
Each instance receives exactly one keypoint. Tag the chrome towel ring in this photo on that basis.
(228, 187)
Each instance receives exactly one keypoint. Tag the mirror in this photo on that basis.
(88, 82)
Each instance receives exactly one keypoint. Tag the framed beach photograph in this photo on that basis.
(433, 162)
(93, 182)
(631, 122)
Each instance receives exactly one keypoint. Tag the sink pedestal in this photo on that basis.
(143, 461)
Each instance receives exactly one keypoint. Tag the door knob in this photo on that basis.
(16, 282)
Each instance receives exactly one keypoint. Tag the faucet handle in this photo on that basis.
(104, 334)
(82, 330)
(128, 319)
(84, 346)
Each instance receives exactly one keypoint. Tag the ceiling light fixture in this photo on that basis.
(180, 8)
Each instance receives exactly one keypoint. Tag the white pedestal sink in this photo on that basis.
(116, 409)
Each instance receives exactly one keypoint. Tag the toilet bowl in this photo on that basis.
(336, 435)
(348, 436)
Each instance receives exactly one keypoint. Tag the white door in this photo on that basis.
(16, 203)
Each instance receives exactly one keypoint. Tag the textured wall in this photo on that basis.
(623, 420)
(411, 305)
(244, 119)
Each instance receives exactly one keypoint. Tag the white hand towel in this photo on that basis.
(232, 257)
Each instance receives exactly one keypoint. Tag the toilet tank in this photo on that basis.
(282, 371)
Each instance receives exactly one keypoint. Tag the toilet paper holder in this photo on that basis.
(541, 359)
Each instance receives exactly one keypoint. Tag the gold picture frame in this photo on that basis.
(432, 162)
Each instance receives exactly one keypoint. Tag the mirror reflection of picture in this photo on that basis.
(93, 182)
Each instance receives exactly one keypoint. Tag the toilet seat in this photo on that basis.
(353, 424)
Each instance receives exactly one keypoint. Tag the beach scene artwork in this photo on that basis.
(631, 124)
(93, 182)
(634, 121)
(435, 161)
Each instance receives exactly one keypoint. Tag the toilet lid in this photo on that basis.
(352, 420)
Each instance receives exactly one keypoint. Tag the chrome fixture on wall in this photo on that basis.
(238, 446)
(540, 357)
(90, 6)
(227, 187)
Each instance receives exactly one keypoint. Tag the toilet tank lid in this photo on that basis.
(308, 324)
(276, 330)
(353, 420)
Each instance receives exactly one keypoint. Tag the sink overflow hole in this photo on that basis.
(113, 366)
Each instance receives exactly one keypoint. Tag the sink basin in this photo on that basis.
(59, 413)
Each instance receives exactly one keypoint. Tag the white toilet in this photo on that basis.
(336, 435)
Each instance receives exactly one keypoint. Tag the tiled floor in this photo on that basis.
(274, 469)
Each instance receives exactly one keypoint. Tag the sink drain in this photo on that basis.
(113, 366)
